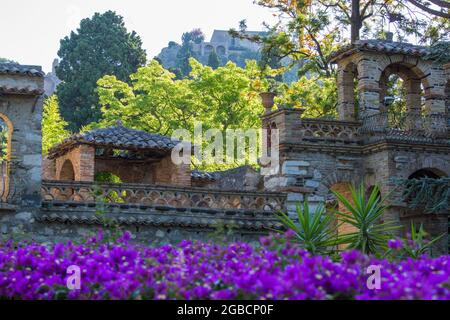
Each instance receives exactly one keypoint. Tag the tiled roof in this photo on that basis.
(203, 175)
(382, 46)
(5, 89)
(117, 137)
(14, 68)
(158, 216)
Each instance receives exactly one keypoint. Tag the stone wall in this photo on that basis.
(21, 107)
(168, 173)
(28, 225)
(243, 178)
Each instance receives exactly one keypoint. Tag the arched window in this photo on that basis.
(208, 49)
(427, 173)
(67, 172)
(343, 188)
(6, 130)
(402, 96)
(221, 50)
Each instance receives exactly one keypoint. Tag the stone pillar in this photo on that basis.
(288, 123)
(368, 87)
(413, 104)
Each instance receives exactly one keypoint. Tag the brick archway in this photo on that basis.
(67, 172)
(343, 188)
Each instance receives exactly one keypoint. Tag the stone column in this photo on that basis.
(368, 87)
(413, 104)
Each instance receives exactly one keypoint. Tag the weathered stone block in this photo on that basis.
(25, 216)
(312, 184)
(32, 159)
(295, 197)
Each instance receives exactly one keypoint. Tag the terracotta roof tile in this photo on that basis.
(14, 68)
(203, 175)
(117, 137)
(382, 46)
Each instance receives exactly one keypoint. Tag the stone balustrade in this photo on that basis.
(324, 129)
(89, 192)
(410, 124)
(379, 124)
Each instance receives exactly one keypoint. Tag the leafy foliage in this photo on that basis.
(213, 60)
(186, 51)
(414, 246)
(225, 98)
(318, 96)
(365, 213)
(4, 136)
(440, 52)
(431, 194)
(100, 46)
(53, 125)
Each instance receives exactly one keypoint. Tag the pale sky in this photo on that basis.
(30, 30)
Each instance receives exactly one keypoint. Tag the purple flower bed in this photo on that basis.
(208, 271)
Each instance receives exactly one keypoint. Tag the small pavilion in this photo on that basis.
(133, 156)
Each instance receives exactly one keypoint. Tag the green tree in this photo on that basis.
(225, 98)
(100, 46)
(317, 95)
(154, 102)
(213, 60)
(53, 125)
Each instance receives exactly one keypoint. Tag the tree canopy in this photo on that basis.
(155, 101)
(53, 125)
(100, 46)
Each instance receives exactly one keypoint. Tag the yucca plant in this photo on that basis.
(364, 213)
(314, 232)
(418, 245)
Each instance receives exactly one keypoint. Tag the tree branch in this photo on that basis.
(441, 3)
(430, 10)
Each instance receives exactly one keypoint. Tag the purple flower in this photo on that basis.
(395, 244)
(198, 270)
